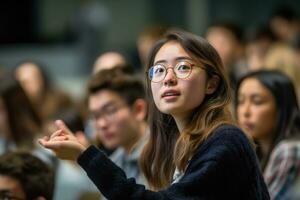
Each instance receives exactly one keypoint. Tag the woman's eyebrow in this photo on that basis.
(160, 61)
(177, 59)
(183, 58)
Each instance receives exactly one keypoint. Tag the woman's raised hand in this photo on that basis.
(63, 142)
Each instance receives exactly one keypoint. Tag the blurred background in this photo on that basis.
(67, 36)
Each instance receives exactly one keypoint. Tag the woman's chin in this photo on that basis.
(169, 110)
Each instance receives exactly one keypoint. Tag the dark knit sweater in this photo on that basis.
(224, 167)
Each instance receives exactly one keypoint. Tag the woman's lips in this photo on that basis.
(248, 126)
(170, 93)
(170, 96)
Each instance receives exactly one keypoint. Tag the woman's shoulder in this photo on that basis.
(287, 148)
(229, 153)
(283, 166)
(226, 140)
(228, 134)
(288, 145)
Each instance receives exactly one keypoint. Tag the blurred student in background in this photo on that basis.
(105, 61)
(19, 122)
(20, 126)
(285, 24)
(227, 39)
(267, 110)
(258, 41)
(118, 109)
(46, 99)
(109, 60)
(146, 40)
(24, 176)
(283, 58)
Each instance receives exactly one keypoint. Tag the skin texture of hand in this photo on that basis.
(82, 138)
(63, 143)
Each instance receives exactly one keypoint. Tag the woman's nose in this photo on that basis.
(170, 78)
(246, 109)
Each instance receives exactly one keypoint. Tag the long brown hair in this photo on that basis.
(23, 120)
(167, 148)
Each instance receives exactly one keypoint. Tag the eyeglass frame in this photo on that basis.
(107, 114)
(173, 68)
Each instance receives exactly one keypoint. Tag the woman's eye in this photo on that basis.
(258, 101)
(183, 67)
(239, 102)
(159, 70)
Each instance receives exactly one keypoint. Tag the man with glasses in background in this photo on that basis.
(118, 110)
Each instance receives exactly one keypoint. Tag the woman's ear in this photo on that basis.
(212, 84)
(139, 109)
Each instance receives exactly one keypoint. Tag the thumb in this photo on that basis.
(43, 140)
(62, 126)
(54, 145)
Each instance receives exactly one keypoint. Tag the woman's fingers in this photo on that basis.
(56, 136)
(60, 138)
(62, 142)
(46, 138)
(42, 141)
(52, 145)
(56, 133)
(62, 126)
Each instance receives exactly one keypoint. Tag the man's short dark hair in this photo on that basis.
(285, 12)
(125, 84)
(34, 176)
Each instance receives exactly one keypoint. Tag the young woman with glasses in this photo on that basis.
(194, 150)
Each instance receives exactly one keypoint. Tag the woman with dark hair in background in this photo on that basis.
(46, 99)
(19, 122)
(267, 110)
(19, 128)
(194, 150)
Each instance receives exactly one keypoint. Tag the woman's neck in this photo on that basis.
(265, 146)
(181, 122)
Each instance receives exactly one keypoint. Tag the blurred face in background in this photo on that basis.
(10, 188)
(256, 109)
(108, 60)
(144, 45)
(224, 42)
(284, 29)
(31, 80)
(116, 124)
(256, 54)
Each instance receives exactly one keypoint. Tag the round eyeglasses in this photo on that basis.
(108, 112)
(158, 72)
